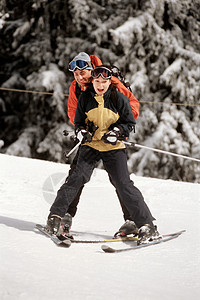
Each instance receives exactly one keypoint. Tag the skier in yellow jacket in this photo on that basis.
(102, 119)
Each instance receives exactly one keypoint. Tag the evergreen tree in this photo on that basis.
(154, 43)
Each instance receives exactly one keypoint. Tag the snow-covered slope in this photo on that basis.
(33, 268)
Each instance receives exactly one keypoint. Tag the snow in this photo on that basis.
(33, 267)
(2, 19)
(133, 28)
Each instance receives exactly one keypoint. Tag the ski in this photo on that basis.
(65, 241)
(165, 238)
(62, 243)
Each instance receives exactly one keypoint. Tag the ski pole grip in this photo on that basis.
(65, 132)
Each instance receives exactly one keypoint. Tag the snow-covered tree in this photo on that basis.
(154, 43)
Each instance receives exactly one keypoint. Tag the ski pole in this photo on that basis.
(160, 151)
(73, 138)
(72, 150)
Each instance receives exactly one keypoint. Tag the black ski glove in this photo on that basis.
(111, 137)
(83, 135)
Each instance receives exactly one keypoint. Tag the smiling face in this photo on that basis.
(82, 76)
(101, 85)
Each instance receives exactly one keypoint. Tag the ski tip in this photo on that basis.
(107, 249)
(39, 226)
(66, 244)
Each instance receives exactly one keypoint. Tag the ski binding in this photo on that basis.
(59, 242)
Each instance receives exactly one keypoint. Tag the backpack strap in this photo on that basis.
(117, 73)
(77, 90)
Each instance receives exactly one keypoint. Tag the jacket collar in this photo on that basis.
(105, 96)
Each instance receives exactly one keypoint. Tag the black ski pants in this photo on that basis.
(115, 163)
(73, 206)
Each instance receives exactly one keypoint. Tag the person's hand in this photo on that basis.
(83, 135)
(111, 136)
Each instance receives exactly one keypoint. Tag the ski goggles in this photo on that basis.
(79, 64)
(103, 71)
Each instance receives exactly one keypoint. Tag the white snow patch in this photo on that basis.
(32, 267)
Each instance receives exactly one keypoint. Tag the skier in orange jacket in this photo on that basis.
(82, 77)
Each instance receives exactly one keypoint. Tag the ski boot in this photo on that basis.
(65, 226)
(148, 233)
(127, 228)
(53, 224)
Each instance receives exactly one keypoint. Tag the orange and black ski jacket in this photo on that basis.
(72, 99)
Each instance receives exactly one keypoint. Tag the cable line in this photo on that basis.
(66, 95)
